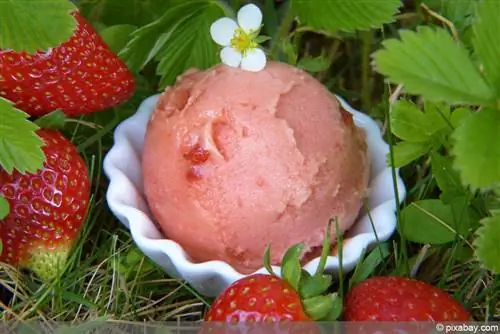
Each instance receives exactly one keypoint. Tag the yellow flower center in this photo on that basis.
(242, 41)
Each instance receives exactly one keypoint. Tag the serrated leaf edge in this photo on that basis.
(479, 238)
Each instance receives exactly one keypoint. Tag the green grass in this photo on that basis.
(108, 277)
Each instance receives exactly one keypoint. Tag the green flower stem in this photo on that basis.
(399, 256)
(340, 253)
(282, 32)
(325, 252)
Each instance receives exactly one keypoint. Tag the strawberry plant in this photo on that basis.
(453, 126)
(71, 71)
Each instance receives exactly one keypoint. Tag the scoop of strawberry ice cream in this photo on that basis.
(236, 160)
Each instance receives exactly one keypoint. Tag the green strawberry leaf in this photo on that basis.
(466, 216)
(314, 64)
(476, 156)
(406, 152)
(117, 36)
(4, 208)
(486, 40)
(345, 15)
(487, 243)
(145, 42)
(190, 44)
(458, 115)
(438, 116)
(179, 40)
(434, 222)
(463, 253)
(447, 178)
(20, 146)
(33, 25)
(54, 120)
(430, 63)
(117, 12)
(459, 12)
(368, 265)
(409, 123)
(492, 203)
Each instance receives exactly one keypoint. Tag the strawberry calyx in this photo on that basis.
(317, 303)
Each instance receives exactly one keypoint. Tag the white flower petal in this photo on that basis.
(230, 57)
(249, 17)
(222, 30)
(254, 60)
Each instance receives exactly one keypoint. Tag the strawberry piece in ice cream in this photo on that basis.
(234, 160)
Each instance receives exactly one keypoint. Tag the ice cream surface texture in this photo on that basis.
(236, 160)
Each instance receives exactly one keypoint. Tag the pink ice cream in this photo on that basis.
(235, 160)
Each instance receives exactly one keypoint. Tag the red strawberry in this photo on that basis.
(47, 209)
(390, 298)
(262, 301)
(80, 76)
(258, 298)
(269, 302)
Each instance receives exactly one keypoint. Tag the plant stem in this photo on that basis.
(82, 122)
(282, 32)
(404, 251)
(340, 255)
(331, 56)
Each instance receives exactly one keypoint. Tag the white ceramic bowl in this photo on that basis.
(126, 200)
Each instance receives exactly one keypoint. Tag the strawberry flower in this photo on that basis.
(240, 39)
